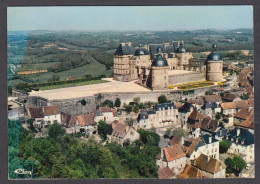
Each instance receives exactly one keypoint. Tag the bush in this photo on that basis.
(83, 102)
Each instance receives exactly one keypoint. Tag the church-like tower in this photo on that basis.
(214, 66)
(160, 79)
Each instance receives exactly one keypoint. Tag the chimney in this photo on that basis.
(210, 139)
(123, 43)
(135, 126)
(208, 158)
(127, 128)
(129, 43)
(238, 132)
(182, 140)
(178, 43)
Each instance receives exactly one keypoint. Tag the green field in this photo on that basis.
(71, 84)
(38, 66)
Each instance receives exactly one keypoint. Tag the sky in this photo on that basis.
(129, 18)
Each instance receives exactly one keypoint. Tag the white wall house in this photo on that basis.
(172, 157)
(44, 116)
(242, 144)
(105, 114)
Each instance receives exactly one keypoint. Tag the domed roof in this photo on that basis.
(141, 51)
(181, 49)
(160, 61)
(214, 56)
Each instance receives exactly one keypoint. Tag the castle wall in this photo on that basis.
(185, 78)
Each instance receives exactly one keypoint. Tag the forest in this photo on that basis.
(62, 155)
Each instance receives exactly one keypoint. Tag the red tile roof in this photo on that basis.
(213, 98)
(249, 122)
(228, 105)
(68, 120)
(51, 110)
(174, 152)
(190, 172)
(192, 144)
(196, 115)
(212, 165)
(165, 173)
(243, 114)
(87, 119)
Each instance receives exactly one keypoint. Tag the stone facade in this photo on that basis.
(138, 64)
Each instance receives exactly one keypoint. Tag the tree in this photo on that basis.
(107, 67)
(10, 90)
(229, 162)
(56, 130)
(239, 163)
(224, 146)
(107, 103)
(178, 132)
(218, 115)
(136, 108)
(168, 133)
(104, 129)
(117, 102)
(83, 102)
(136, 100)
(162, 99)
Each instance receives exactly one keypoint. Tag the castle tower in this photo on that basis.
(183, 56)
(160, 68)
(214, 66)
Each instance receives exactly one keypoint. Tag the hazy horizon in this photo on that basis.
(129, 18)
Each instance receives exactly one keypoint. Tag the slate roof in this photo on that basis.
(245, 137)
(212, 165)
(206, 139)
(170, 49)
(165, 173)
(213, 98)
(190, 172)
(173, 152)
(166, 106)
(160, 61)
(154, 49)
(125, 49)
(141, 51)
(143, 115)
(209, 105)
(186, 108)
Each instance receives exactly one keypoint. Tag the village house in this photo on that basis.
(213, 128)
(69, 122)
(172, 157)
(197, 102)
(248, 104)
(162, 115)
(242, 115)
(210, 167)
(229, 110)
(190, 172)
(184, 113)
(242, 144)
(206, 144)
(105, 114)
(123, 133)
(86, 123)
(194, 119)
(230, 97)
(248, 123)
(209, 109)
(44, 116)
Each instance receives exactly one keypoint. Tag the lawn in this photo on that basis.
(71, 84)
(94, 68)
